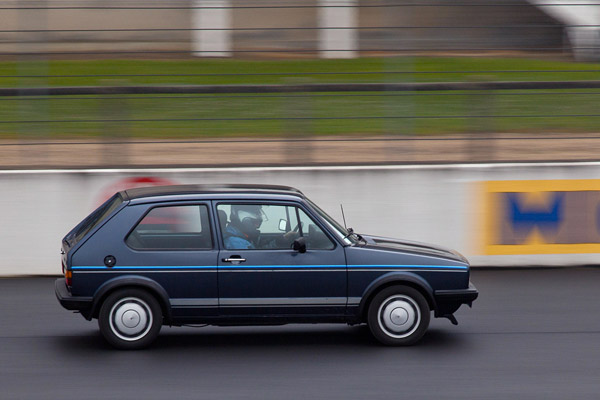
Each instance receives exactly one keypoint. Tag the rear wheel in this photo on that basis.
(130, 319)
(398, 316)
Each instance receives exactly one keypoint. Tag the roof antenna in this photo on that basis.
(343, 217)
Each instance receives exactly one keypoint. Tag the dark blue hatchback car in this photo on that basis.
(243, 254)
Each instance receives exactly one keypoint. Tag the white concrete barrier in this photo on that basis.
(211, 24)
(338, 37)
(581, 18)
(450, 205)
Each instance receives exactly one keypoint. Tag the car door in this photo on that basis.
(261, 275)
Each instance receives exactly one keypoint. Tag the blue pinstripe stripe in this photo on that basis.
(175, 267)
(134, 267)
(459, 267)
(240, 266)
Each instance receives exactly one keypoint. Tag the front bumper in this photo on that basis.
(69, 301)
(448, 301)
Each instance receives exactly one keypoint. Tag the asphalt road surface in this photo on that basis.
(532, 334)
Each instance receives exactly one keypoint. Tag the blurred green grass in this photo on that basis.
(189, 116)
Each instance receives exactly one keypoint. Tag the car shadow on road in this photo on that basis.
(294, 336)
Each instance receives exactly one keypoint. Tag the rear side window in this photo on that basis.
(93, 220)
(173, 228)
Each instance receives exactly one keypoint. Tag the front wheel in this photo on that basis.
(130, 319)
(398, 316)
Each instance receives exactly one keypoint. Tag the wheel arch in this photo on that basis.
(392, 279)
(136, 282)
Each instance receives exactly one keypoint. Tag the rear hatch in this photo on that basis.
(90, 222)
(83, 228)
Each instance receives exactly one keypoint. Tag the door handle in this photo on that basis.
(234, 259)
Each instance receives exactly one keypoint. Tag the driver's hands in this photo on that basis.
(286, 239)
(291, 235)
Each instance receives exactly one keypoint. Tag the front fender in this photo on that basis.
(132, 281)
(400, 278)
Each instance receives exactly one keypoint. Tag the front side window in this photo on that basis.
(340, 231)
(315, 237)
(173, 228)
(268, 226)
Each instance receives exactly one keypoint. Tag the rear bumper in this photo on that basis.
(69, 301)
(448, 301)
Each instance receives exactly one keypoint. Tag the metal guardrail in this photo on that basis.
(303, 88)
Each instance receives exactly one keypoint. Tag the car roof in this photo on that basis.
(175, 190)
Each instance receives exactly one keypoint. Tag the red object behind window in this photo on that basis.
(130, 183)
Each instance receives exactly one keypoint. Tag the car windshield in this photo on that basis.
(341, 232)
(93, 220)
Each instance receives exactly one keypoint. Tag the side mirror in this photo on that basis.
(283, 225)
(299, 245)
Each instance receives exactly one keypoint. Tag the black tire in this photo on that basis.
(130, 319)
(398, 316)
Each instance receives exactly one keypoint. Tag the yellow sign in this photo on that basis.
(541, 217)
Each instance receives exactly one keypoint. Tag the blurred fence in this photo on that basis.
(232, 82)
(116, 147)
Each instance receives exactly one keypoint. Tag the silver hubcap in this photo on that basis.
(399, 316)
(130, 319)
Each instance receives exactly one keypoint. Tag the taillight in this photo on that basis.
(69, 277)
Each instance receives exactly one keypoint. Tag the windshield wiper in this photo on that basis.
(350, 233)
(358, 235)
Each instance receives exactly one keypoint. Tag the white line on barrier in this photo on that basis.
(305, 168)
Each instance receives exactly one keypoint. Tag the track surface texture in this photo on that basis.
(532, 334)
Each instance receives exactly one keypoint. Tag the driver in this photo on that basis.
(242, 232)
